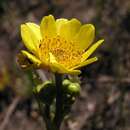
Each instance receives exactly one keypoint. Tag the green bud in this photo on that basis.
(46, 92)
(73, 89)
(66, 82)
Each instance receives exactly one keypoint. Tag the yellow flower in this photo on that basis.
(61, 45)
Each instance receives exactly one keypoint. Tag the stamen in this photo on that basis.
(66, 52)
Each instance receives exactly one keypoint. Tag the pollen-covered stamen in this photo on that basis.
(66, 52)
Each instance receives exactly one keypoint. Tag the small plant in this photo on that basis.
(61, 46)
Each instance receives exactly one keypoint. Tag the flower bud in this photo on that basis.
(73, 89)
(46, 92)
(66, 82)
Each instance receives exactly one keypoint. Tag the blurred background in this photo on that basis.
(104, 101)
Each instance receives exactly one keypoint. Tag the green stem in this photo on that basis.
(59, 102)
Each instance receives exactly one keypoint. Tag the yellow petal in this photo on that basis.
(35, 29)
(56, 67)
(48, 26)
(85, 36)
(74, 72)
(31, 36)
(31, 59)
(59, 68)
(69, 29)
(59, 23)
(85, 63)
(91, 50)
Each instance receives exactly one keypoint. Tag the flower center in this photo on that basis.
(66, 52)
